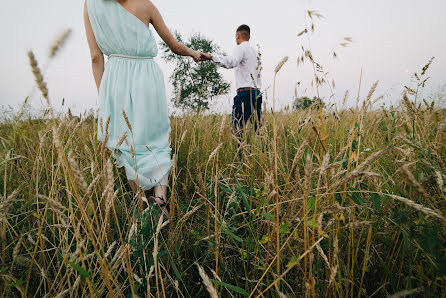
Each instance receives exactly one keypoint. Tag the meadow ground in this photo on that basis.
(354, 207)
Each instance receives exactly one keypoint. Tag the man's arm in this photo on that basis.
(231, 61)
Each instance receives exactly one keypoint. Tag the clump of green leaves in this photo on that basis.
(195, 84)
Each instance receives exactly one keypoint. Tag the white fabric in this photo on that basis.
(245, 60)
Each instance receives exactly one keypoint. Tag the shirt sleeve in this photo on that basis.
(230, 61)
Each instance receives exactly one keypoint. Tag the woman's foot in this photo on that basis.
(162, 203)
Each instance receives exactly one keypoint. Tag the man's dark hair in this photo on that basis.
(245, 31)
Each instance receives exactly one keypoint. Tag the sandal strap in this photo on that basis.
(161, 198)
(164, 203)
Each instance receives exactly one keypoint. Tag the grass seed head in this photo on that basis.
(38, 75)
(281, 63)
(58, 44)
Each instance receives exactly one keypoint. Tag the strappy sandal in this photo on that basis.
(162, 205)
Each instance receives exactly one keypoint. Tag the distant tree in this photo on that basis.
(195, 84)
(302, 103)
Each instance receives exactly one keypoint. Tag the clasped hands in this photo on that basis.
(200, 56)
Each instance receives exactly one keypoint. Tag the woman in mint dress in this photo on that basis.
(132, 83)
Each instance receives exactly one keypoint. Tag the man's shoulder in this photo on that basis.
(245, 46)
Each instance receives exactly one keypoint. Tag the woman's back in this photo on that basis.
(118, 31)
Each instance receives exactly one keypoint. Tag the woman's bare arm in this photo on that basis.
(177, 47)
(97, 57)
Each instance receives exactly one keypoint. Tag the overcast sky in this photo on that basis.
(391, 40)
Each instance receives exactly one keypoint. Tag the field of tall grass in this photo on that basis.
(346, 203)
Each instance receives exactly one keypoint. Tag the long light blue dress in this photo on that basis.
(134, 83)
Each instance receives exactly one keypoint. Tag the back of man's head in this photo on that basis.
(245, 32)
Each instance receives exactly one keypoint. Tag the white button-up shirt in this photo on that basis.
(246, 61)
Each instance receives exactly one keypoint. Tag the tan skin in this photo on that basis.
(147, 12)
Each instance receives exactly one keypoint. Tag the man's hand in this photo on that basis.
(205, 56)
(200, 56)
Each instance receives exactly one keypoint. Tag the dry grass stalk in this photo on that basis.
(215, 275)
(358, 224)
(418, 207)
(358, 170)
(107, 124)
(152, 268)
(92, 185)
(121, 139)
(322, 254)
(118, 254)
(6, 204)
(16, 249)
(110, 249)
(346, 95)
(78, 176)
(132, 152)
(127, 120)
(334, 268)
(185, 217)
(207, 282)
(372, 90)
(178, 96)
(308, 170)
(409, 105)
(410, 177)
(30, 239)
(137, 278)
(407, 293)
(62, 294)
(57, 142)
(222, 126)
(325, 162)
(59, 43)
(38, 75)
(298, 154)
(53, 203)
(214, 152)
(183, 136)
(76, 284)
(155, 242)
(281, 63)
(110, 195)
(371, 174)
(439, 179)
(342, 152)
(101, 125)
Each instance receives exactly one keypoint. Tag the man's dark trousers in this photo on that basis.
(247, 107)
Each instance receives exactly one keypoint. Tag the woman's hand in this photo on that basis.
(197, 56)
(177, 47)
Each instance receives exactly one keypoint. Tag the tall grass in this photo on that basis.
(357, 210)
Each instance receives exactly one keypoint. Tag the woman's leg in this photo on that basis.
(133, 185)
(161, 191)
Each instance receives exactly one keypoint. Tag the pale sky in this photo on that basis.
(392, 39)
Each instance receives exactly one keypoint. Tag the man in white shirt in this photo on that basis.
(247, 64)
